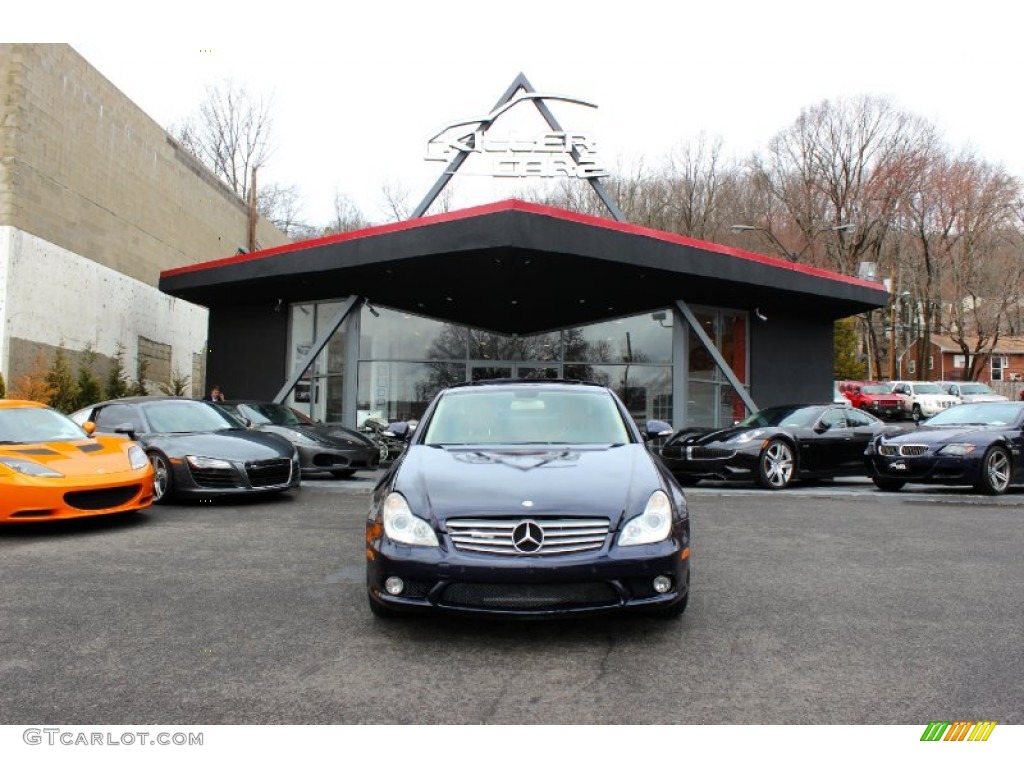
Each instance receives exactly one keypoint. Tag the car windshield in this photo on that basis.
(991, 414)
(525, 416)
(36, 425)
(875, 389)
(928, 389)
(783, 416)
(270, 413)
(187, 416)
(975, 389)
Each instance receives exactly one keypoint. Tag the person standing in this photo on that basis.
(215, 396)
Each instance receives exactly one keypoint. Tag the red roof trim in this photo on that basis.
(541, 210)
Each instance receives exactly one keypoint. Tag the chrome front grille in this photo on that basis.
(560, 536)
(903, 450)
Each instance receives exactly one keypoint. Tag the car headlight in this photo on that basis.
(299, 439)
(137, 457)
(746, 437)
(650, 526)
(956, 449)
(205, 462)
(26, 467)
(401, 525)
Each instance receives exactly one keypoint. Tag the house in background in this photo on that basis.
(946, 362)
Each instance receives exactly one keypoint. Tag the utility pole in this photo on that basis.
(251, 244)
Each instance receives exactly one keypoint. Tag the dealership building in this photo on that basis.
(375, 322)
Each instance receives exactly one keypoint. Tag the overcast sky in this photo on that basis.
(357, 92)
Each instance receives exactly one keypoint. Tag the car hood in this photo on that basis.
(231, 444)
(940, 434)
(720, 435)
(332, 434)
(76, 457)
(984, 398)
(557, 480)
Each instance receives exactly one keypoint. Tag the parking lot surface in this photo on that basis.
(832, 603)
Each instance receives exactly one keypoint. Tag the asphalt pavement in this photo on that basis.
(833, 603)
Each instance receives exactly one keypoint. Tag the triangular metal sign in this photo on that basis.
(510, 98)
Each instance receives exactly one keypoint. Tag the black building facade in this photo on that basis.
(374, 322)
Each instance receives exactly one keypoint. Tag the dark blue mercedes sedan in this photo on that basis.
(975, 444)
(532, 499)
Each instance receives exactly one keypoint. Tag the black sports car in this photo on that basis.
(322, 448)
(528, 498)
(196, 448)
(977, 444)
(777, 445)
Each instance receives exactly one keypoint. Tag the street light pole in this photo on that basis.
(792, 255)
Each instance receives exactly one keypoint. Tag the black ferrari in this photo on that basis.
(975, 444)
(776, 446)
(197, 449)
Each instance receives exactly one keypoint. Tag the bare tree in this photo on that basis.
(967, 261)
(840, 163)
(230, 133)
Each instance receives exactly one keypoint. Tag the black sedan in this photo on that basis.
(321, 448)
(976, 444)
(777, 445)
(528, 498)
(197, 449)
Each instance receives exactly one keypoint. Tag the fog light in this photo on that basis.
(662, 584)
(394, 585)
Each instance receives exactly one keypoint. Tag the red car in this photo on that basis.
(876, 399)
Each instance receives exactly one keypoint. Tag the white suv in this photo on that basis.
(922, 399)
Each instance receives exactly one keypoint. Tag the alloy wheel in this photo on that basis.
(776, 467)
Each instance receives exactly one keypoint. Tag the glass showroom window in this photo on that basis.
(318, 392)
(712, 401)
(631, 355)
(404, 360)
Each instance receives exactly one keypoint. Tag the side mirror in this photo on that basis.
(125, 429)
(655, 428)
(821, 428)
(89, 427)
(398, 429)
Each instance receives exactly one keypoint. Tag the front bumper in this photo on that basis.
(700, 463)
(242, 478)
(322, 458)
(930, 468)
(25, 499)
(443, 579)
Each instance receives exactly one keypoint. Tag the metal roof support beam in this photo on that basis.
(318, 347)
(720, 361)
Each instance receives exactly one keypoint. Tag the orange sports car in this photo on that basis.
(52, 469)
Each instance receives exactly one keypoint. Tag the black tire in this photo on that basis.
(776, 466)
(885, 484)
(381, 611)
(916, 414)
(163, 478)
(996, 471)
(342, 472)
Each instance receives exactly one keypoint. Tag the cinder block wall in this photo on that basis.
(83, 169)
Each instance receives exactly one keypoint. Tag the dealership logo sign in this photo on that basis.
(551, 154)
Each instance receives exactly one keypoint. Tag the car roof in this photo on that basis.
(513, 383)
(141, 400)
(22, 404)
